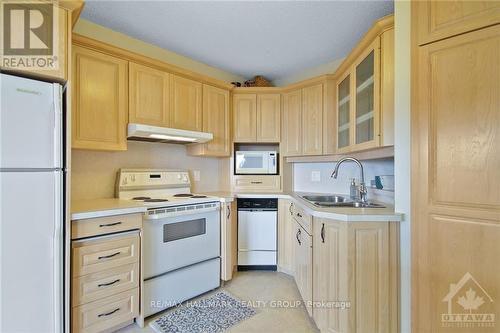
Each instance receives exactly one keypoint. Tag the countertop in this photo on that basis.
(84, 209)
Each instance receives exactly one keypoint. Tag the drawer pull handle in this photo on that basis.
(299, 215)
(108, 284)
(228, 212)
(109, 313)
(290, 208)
(297, 236)
(323, 233)
(109, 256)
(256, 182)
(109, 224)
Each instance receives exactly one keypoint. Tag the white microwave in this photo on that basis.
(256, 163)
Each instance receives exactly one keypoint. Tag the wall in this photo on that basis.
(93, 173)
(303, 183)
(328, 68)
(402, 149)
(98, 32)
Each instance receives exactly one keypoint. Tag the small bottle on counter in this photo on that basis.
(353, 189)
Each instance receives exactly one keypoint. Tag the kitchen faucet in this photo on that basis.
(362, 187)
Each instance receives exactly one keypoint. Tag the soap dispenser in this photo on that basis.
(353, 189)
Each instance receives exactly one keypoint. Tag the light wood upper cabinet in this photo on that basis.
(442, 19)
(245, 117)
(99, 101)
(186, 104)
(291, 131)
(149, 101)
(312, 120)
(268, 117)
(216, 120)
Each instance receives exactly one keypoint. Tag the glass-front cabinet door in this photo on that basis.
(366, 105)
(344, 112)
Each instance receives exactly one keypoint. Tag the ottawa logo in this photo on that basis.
(469, 305)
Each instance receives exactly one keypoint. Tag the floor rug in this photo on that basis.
(215, 313)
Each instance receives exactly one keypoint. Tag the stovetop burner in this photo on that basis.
(141, 198)
(155, 200)
(183, 195)
(198, 196)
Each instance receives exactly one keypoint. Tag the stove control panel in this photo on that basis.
(152, 178)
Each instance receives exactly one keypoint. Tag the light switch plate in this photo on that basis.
(315, 176)
(196, 175)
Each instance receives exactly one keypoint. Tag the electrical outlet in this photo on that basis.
(196, 175)
(315, 176)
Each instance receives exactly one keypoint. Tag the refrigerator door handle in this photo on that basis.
(58, 133)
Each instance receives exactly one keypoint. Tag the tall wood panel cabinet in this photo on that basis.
(286, 237)
(229, 236)
(455, 164)
(149, 99)
(216, 120)
(99, 100)
(186, 104)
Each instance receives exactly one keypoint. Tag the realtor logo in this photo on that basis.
(469, 305)
(29, 38)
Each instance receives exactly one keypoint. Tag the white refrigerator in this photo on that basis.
(31, 206)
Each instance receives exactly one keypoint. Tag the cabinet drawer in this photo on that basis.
(106, 313)
(103, 253)
(98, 285)
(257, 183)
(302, 218)
(105, 225)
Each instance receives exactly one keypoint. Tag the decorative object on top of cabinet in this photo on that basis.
(216, 120)
(358, 263)
(365, 92)
(443, 19)
(258, 81)
(99, 101)
(186, 104)
(149, 99)
(256, 117)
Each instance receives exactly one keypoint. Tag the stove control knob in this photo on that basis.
(124, 181)
(185, 178)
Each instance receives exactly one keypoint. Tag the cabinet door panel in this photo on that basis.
(100, 101)
(442, 19)
(286, 228)
(245, 117)
(268, 117)
(312, 120)
(149, 95)
(216, 120)
(292, 124)
(186, 107)
(344, 113)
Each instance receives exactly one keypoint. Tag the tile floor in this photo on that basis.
(261, 288)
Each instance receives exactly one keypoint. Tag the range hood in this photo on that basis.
(141, 132)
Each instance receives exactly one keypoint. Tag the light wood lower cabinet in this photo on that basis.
(356, 265)
(229, 238)
(255, 183)
(286, 237)
(303, 265)
(100, 100)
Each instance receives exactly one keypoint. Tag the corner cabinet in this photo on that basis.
(186, 104)
(99, 100)
(216, 120)
(229, 237)
(149, 100)
(257, 117)
(356, 264)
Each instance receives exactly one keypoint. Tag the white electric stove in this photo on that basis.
(181, 236)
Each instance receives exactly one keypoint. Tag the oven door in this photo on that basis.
(175, 242)
(252, 162)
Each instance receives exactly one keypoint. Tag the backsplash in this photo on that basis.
(303, 177)
(93, 173)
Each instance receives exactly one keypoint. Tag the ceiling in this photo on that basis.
(271, 38)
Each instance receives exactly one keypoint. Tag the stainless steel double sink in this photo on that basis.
(330, 201)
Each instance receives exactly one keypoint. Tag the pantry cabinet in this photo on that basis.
(99, 100)
(216, 120)
(257, 117)
(186, 104)
(286, 237)
(356, 264)
(229, 236)
(149, 100)
(442, 19)
(365, 94)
